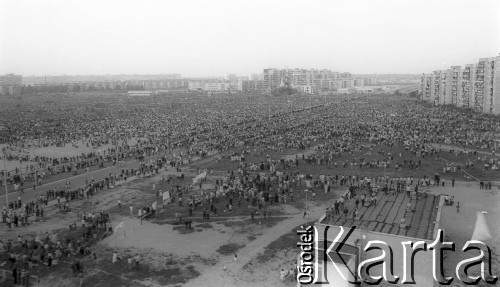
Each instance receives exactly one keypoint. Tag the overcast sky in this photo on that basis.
(213, 37)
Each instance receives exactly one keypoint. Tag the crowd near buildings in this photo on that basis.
(475, 86)
(307, 81)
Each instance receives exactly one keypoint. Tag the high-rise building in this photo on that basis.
(437, 86)
(467, 87)
(476, 86)
(272, 78)
(491, 94)
(426, 88)
(230, 77)
(11, 84)
(456, 82)
(318, 80)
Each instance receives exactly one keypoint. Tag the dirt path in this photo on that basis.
(448, 147)
(216, 276)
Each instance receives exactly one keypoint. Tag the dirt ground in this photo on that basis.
(206, 249)
(172, 255)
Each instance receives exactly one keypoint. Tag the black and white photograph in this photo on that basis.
(249, 143)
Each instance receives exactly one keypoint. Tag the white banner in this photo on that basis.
(308, 183)
(199, 177)
(120, 225)
(166, 195)
(154, 205)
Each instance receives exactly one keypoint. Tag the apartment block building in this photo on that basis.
(255, 86)
(11, 84)
(489, 82)
(426, 88)
(216, 87)
(196, 85)
(317, 80)
(476, 86)
(466, 95)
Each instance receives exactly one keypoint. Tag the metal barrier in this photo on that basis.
(462, 170)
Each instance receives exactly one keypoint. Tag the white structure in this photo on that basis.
(305, 89)
(139, 93)
(343, 91)
(364, 90)
(216, 87)
(230, 77)
(195, 86)
(239, 85)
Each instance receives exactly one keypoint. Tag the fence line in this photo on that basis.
(462, 170)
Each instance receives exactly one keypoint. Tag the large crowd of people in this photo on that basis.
(348, 136)
(201, 126)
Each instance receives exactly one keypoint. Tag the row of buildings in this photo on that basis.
(303, 80)
(307, 81)
(475, 86)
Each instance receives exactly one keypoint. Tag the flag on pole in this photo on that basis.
(481, 230)
(121, 225)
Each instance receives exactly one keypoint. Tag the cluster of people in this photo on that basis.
(354, 139)
(204, 126)
(16, 213)
(28, 252)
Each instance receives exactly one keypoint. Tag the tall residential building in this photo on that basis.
(318, 80)
(466, 94)
(426, 88)
(476, 86)
(256, 86)
(478, 103)
(456, 81)
(437, 86)
(272, 78)
(491, 100)
(230, 77)
(11, 84)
